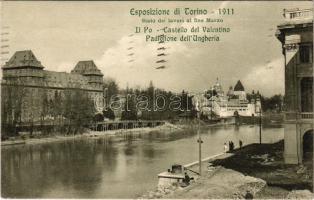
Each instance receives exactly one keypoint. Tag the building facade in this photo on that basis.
(296, 37)
(36, 86)
(235, 103)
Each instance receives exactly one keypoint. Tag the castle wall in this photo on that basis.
(40, 88)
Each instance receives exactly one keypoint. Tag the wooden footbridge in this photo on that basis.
(115, 125)
(98, 126)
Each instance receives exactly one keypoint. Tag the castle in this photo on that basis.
(26, 71)
(234, 102)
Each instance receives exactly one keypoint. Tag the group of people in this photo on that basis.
(186, 180)
(231, 146)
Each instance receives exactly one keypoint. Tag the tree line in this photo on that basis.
(70, 111)
(150, 103)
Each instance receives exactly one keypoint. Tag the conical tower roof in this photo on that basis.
(23, 59)
(86, 68)
(238, 86)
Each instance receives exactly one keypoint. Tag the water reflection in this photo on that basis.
(111, 167)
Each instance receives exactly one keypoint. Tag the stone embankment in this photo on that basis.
(215, 182)
(255, 169)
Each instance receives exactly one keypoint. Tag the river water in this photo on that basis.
(112, 167)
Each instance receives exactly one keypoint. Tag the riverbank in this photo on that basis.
(39, 139)
(257, 169)
(216, 182)
(88, 134)
(266, 162)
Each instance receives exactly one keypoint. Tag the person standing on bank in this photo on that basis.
(186, 179)
(225, 148)
(231, 146)
(240, 143)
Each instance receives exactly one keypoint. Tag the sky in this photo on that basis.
(62, 33)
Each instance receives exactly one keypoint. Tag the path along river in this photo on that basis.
(112, 167)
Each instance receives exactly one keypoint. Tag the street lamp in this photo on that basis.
(260, 126)
(199, 140)
(259, 110)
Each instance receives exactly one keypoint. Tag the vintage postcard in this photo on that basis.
(156, 99)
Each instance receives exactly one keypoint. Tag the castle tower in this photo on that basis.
(230, 92)
(90, 70)
(239, 91)
(23, 80)
(23, 67)
(218, 88)
(95, 81)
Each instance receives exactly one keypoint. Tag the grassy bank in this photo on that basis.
(266, 162)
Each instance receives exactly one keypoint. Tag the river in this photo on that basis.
(112, 167)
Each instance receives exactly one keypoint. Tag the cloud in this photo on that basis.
(194, 66)
(268, 78)
(65, 67)
(132, 61)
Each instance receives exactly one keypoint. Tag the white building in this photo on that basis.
(234, 103)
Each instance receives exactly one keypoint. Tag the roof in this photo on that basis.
(238, 86)
(65, 80)
(86, 68)
(23, 59)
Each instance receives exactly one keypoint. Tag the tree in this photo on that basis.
(130, 111)
(109, 114)
(150, 94)
(99, 117)
(111, 90)
(273, 103)
(12, 100)
(78, 109)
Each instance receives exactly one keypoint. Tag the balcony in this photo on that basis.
(295, 18)
(306, 115)
(301, 117)
(298, 14)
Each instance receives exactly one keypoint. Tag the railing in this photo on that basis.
(296, 14)
(293, 116)
(128, 124)
(131, 121)
(307, 115)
